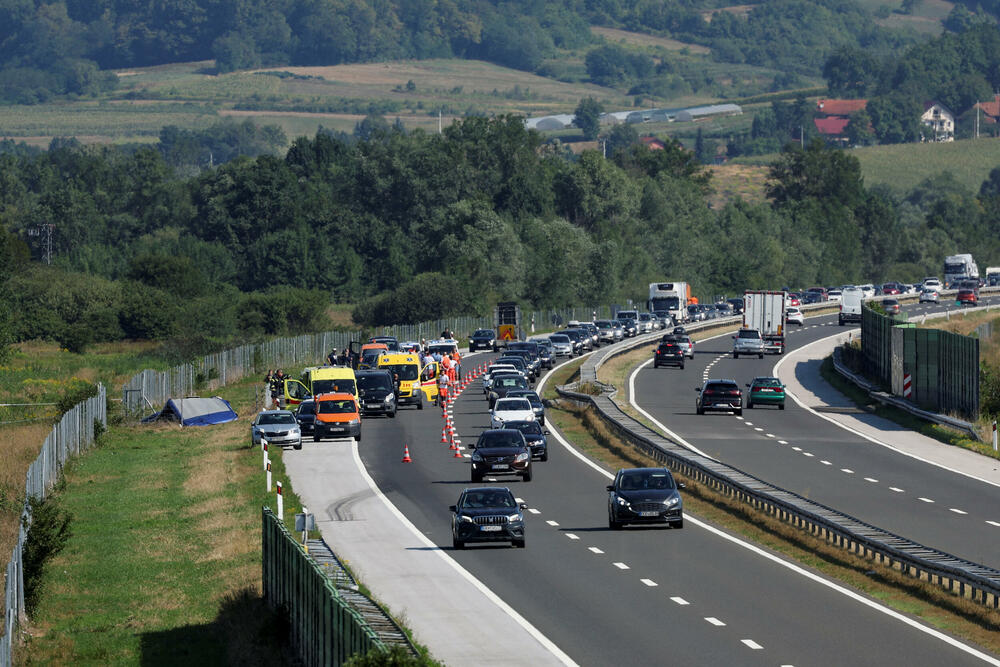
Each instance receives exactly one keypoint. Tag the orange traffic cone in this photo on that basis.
(406, 455)
(458, 453)
(453, 441)
(444, 434)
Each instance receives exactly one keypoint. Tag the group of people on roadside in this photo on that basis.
(344, 358)
(275, 381)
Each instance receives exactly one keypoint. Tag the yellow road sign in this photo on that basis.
(507, 332)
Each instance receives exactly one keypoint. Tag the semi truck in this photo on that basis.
(765, 312)
(958, 268)
(672, 298)
(992, 276)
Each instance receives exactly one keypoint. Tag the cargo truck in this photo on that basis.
(958, 268)
(765, 312)
(672, 298)
(992, 276)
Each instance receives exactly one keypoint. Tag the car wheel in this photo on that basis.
(781, 406)
(527, 475)
(316, 438)
(739, 412)
(699, 410)
(614, 525)
(679, 524)
(357, 438)
(298, 446)
(682, 366)
(736, 355)
(749, 405)
(477, 477)
(457, 544)
(392, 415)
(544, 457)
(420, 403)
(760, 356)
(517, 544)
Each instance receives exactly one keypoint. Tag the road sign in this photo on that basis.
(507, 332)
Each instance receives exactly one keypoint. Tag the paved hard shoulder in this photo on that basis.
(799, 371)
(417, 581)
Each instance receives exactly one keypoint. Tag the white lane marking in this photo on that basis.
(552, 523)
(518, 500)
(714, 621)
(749, 423)
(956, 511)
(534, 511)
(871, 479)
(993, 523)
(826, 463)
(809, 454)
(649, 582)
(752, 644)
(926, 500)
(465, 574)
(798, 449)
(847, 470)
(897, 490)
(770, 435)
(572, 536)
(754, 549)
(595, 550)
(758, 429)
(681, 601)
(782, 442)
(774, 372)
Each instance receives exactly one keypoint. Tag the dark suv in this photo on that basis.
(534, 435)
(305, 415)
(724, 395)
(483, 339)
(376, 391)
(669, 353)
(487, 514)
(645, 495)
(501, 452)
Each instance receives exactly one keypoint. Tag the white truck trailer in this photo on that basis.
(765, 312)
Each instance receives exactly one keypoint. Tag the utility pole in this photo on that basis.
(977, 119)
(44, 230)
(439, 121)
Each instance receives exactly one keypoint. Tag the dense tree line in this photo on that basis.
(413, 226)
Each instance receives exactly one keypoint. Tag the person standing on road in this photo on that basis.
(332, 357)
(442, 388)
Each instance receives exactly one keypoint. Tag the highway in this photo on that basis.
(642, 595)
(801, 452)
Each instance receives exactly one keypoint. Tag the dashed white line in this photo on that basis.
(847, 470)
(572, 536)
(749, 423)
(534, 511)
(595, 550)
(552, 523)
(897, 490)
(782, 442)
(649, 582)
(809, 454)
(926, 500)
(871, 479)
(770, 435)
(714, 621)
(681, 601)
(826, 463)
(798, 449)
(518, 500)
(758, 428)
(957, 511)
(620, 566)
(993, 523)
(752, 644)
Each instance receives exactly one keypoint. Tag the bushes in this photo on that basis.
(48, 533)
(428, 296)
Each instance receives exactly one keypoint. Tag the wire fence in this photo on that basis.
(74, 433)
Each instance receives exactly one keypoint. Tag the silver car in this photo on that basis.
(561, 345)
(278, 427)
(929, 294)
(748, 341)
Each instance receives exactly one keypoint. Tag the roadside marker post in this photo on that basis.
(264, 450)
(281, 504)
(269, 477)
(994, 436)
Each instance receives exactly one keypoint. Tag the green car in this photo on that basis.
(766, 391)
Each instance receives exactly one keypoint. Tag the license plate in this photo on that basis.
(499, 466)
(490, 529)
(337, 430)
(374, 406)
(649, 514)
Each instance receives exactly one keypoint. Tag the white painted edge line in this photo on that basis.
(465, 574)
(857, 597)
(774, 372)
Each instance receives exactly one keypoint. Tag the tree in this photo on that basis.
(587, 117)
(895, 118)
(815, 172)
(859, 130)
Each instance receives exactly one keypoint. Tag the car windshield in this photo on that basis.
(441, 349)
(369, 382)
(370, 356)
(523, 393)
(405, 371)
(511, 404)
(500, 439)
(749, 333)
(336, 407)
(516, 362)
(307, 408)
(487, 498)
(276, 418)
(343, 385)
(509, 381)
(483, 333)
(390, 343)
(559, 338)
(635, 481)
(531, 428)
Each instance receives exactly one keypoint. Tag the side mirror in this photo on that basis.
(733, 337)
(452, 508)
(681, 485)
(748, 384)
(698, 389)
(471, 445)
(546, 433)
(610, 487)
(523, 505)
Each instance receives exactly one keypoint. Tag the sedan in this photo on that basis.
(483, 339)
(534, 399)
(305, 415)
(766, 391)
(929, 294)
(890, 288)
(891, 306)
(724, 395)
(534, 435)
(487, 514)
(562, 346)
(501, 452)
(794, 316)
(645, 495)
(278, 427)
(509, 410)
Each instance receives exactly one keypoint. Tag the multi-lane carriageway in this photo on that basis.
(652, 595)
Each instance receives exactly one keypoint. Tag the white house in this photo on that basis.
(940, 121)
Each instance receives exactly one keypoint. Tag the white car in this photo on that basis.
(933, 283)
(510, 410)
(794, 316)
(833, 295)
(867, 290)
(561, 345)
(929, 294)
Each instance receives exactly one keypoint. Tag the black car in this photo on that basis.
(531, 347)
(517, 361)
(645, 495)
(723, 395)
(483, 339)
(530, 357)
(534, 435)
(305, 415)
(502, 386)
(487, 514)
(376, 392)
(501, 452)
(631, 328)
(581, 339)
(668, 353)
(536, 402)
(736, 304)
(546, 352)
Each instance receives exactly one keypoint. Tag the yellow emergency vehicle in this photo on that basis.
(318, 380)
(416, 384)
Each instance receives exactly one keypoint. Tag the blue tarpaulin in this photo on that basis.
(195, 411)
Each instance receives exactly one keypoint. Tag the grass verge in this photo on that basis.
(963, 618)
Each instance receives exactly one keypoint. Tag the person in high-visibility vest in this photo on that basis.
(442, 388)
(456, 363)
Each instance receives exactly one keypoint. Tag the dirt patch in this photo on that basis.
(737, 181)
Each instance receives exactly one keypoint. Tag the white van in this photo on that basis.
(850, 305)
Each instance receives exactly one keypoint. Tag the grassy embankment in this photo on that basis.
(933, 606)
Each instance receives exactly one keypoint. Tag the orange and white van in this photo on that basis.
(337, 416)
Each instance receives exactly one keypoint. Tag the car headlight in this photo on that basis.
(390, 398)
(522, 457)
(621, 501)
(353, 422)
(476, 457)
(466, 519)
(295, 431)
(670, 502)
(514, 517)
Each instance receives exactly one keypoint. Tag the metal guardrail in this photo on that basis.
(977, 582)
(72, 435)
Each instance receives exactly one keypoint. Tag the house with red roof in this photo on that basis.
(990, 110)
(652, 143)
(832, 117)
(840, 107)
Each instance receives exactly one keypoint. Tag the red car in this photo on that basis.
(793, 300)
(967, 297)
(890, 288)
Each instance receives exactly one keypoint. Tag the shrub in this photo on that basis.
(48, 533)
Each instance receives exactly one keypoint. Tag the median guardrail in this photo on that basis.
(965, 578)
